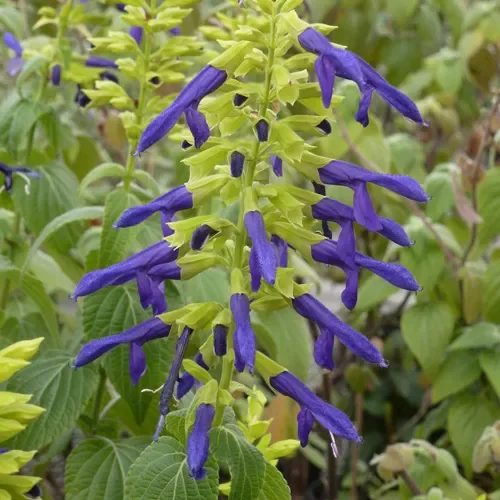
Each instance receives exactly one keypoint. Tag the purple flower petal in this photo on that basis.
(262, 129)
(13, 43)
(266, 257)
(56, 74)
(137, 363)
(15, 66)
(328, 416)
(167, 271)
(277, 165)
(346, 245)
(198, 126)
(198, 442)
(244, 337)
(325, 71)
(136, 33)
(364, 212)
(220, 340)
(175, 200)
(201, 235)
(205, 82)
(145, 289)
(100, 62)
(364, 105)
(281, 250)
(323, 349)
(255, 274)
(236, 164)
(350, 293)
(305, 421)
(159, 302)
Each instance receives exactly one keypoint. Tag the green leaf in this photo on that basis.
(36, 64)
(491, 293)
(76, 214)
(482, 335)
(373, 291)
(286, 338)
(489, 205)
(35, 290)
(469, 414)
(115, 242)
(162, 472)
(275, 487)
(27, 327)
(61, 390)
(100, 172)
(53, 194)
(427, 329)
(408, 156)
(212, 285)
(490, 363)
(246, 464)
(11, 19)
(425, 262)
(459, 371)
(439, 187)
(401, 12)
(114, 310)
(97, 468)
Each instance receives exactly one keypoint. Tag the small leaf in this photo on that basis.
(481, 335)
(100, 172)
(162, 472)
(61, 390)
(489, 205)
(97, 468)
(459, 371)
(491, 293)
(373, 291)
(490, 363)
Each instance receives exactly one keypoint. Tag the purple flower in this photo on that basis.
(175, 31)
(167, 204)
(120, 6)
(262, 129)
(16, 63)
(311, 308)
(263, 260)
(323, 349)
(151, 293)
(55, 75)
(136, 337)
(129, 269)
(327, 232)
(311, 405)
(187, 381)
(81, 98)
(107, 75)
(136, 33)
(342, 214)
(198, 442)
(220, 340)
(281, 250)
(100, 62)
(325, 127)
(8, 174)
(341, 173)
(332, 62)
(236, 164)
(208, 80)
(277, 164)
(201, 235)
(239, 100)
(244, 337)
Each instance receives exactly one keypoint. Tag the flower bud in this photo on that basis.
(262, 129)
(237, 163)
(324, 127)
(239, 100)
(220, 340)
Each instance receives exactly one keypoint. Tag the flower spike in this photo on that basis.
(198, 442)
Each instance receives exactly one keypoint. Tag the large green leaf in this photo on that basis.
(28, 327)
(439, 187)
(35, 290)
(469, 414)
(162, 472)
(481, 335)
(53, 194)
(426, 263)
(76, 214)
(373, 291)
(97, 468)
(490, 363)
(286, 337)
(459, 371)
(61, 390)
(489, 205)
(491, 293)
(114, 242)
(246, 464)
(100, 172)
(275, 487)
(114, 310)
(427, 329)
(211, 285)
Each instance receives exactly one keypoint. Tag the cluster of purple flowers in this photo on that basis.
(268, 252)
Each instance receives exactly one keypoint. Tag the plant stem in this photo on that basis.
(410, 483)
(6, 285)
(98, 401)
(358, 418)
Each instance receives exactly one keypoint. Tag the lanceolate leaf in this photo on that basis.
(100, 172)
(61, 390)
(97, 468)
(162, 472)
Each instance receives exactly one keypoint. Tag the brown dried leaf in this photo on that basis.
(284, 413)
(463, 204)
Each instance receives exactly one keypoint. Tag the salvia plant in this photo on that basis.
(172, 380)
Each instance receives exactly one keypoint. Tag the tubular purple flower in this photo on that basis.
(16, 63)
(333, 61)
(136, 33)
(320, 189)
(280, 249)
(136, 336)
(335, 211)
(117, 274)
(311, 308)
(325, 127)
(107, 75)
(239, 100)
(255, 273)
(8, 174)
(81, 98)
(175, 31)
(168, 204)
(244, 337)
(100, 62)
(55, 75)
(187, 381)
(220, 340)
(198, 442)
(152, 293)
(236, 164)
(201, 235)
(198, 125)
(262, 129)
(277, 165)
(208, 80)
(264, 252)
(305, 422)
(323, 349)
(328, 416)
